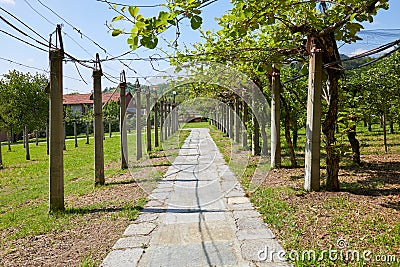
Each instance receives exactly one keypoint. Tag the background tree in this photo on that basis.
(24, 102)
(111, 115)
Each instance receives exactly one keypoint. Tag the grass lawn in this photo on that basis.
(95, 217)
(364, 215)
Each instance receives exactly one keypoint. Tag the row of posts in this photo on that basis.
(165, 124)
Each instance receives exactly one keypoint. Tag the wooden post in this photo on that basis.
(161, 120)
(122, 121)
(148, 120)
(56, 160)
(75, 134)
(313, 125)
(109, 129)
(98, 126)
(138, 126)
(275, 119)
(156, 144)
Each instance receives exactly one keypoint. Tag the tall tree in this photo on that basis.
(284, 25)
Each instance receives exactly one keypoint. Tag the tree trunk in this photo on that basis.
(47, 139)
(109, 129)
(65, 136)
(384, 131)
(295, 133)
(293, 161)
(1, 158)
(355, 145)
(391, 127)
(264, 147)
(27, 154)
(75, 134)
(331, 54)
(23, 138)
(37, 137)
(369, 127)
(9, 140)
(87, 133)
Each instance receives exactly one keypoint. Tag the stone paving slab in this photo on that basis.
(198, 215)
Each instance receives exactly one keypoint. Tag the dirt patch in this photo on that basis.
(365, 213)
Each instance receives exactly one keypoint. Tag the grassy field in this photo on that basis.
(94, 217)
(362, 218)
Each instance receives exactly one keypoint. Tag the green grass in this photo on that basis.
(293, 213)
(24, 186)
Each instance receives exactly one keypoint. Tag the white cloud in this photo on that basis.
(10, 2)
(357, 52)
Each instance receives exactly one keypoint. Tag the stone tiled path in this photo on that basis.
(197, 216)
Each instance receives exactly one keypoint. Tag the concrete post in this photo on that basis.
(98, 129)
(165, 120)
(139, 153)
(275, 119)
(148, 121)
(156, 144)
(236, 120)
(56, 137)
(161, 106)
(313, 125)
(122, 121)
(256, 149)
(245, 116)
(169, 115)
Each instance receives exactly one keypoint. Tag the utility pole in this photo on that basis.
(122, 121)
(313, 126)
(98, 125)
(138, 122)
(148, 120)
(56, 160)
(275, 119)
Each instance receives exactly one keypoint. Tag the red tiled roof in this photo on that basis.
(77, 99)
(85, 99)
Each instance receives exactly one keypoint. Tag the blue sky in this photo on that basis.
(89, 16)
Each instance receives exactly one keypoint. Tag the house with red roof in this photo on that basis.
(79, 102)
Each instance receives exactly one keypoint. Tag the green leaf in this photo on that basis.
(133, 11)
(116, 32)
(353, 16)
(140, 25)
(149, 41)
(117, 18)
(195, 22)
